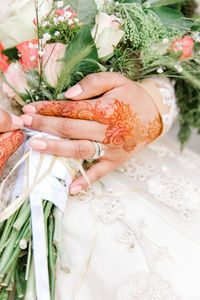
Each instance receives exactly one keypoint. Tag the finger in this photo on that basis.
(64, 127)
(94, 85)
(9, 122)
(96, 172)
(76, 149)
(96, 110)
(9, 143)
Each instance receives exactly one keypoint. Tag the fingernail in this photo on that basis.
(74, 91)
(75, 190)
(38, 145)
(29, 109)
(27, 120)
(16, 121)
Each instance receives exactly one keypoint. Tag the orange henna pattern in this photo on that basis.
(9, 143)
(124, 128)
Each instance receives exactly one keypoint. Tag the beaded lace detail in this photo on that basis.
(178, 193)
(146, 286)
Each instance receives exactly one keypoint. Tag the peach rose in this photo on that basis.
(16, 78)
(107, 34)
(51, 66)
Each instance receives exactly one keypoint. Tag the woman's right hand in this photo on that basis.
(10, 136)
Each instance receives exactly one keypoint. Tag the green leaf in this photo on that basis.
(11, 53)
(78, 57)
(172, 18)
(86, 9)
(130, 1)
(159, 3)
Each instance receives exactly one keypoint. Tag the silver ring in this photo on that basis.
(98, 152)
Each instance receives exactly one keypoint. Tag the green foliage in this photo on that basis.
(86, 9)
(77, 65)
(11, 53)
(159, 3)
(171, 18)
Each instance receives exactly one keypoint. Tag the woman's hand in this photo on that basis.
(10, 137)
(123, 118)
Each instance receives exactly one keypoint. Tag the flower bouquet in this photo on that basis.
(68, 41)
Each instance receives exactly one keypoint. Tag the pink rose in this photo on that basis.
(16, 78)
(107, 34)
(51, 66)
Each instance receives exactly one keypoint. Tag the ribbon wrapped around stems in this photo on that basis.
(50, 171)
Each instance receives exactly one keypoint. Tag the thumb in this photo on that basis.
(9, 122)
(94, 85)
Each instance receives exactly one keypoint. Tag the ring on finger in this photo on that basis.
(99, 152)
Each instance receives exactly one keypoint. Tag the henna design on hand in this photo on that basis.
(124, 127)
(9, 143)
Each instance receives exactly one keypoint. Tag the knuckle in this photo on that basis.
(98, 174)
(83, 150)
(39, 122)
(65, 127)
(92, 79)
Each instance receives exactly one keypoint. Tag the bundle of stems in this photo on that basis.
(16, 252)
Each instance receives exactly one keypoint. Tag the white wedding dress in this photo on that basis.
(136, 235)
(143, 244)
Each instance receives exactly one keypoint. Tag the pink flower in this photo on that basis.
(16, 78)
(35, 21)
(3, 60)
(184, 46)
(59, 12)
(52, 67)
(74, 14)
(29, 54)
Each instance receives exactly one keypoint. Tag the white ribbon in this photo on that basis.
(49, 189)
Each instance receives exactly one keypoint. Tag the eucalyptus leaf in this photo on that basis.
(172, 18)
(86, 9)
(159, 3)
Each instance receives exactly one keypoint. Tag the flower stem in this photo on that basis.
(59, 242)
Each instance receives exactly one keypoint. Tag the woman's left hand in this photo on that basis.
(123, 119)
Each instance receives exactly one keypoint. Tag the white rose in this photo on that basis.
(107, 34)
(19, 26)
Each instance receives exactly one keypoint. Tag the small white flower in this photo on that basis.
(178, 68)
(30, 45)
(46, 37)
(46, 23)
(76, 20)
(61, 19)
(55, 20)
(165, 41)
(57, 33)
(59, 4)
(32, 58)
(70, 22)
(160, 70)
(41, 53)
(179, 46)
(68, 14)
(19, 55)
